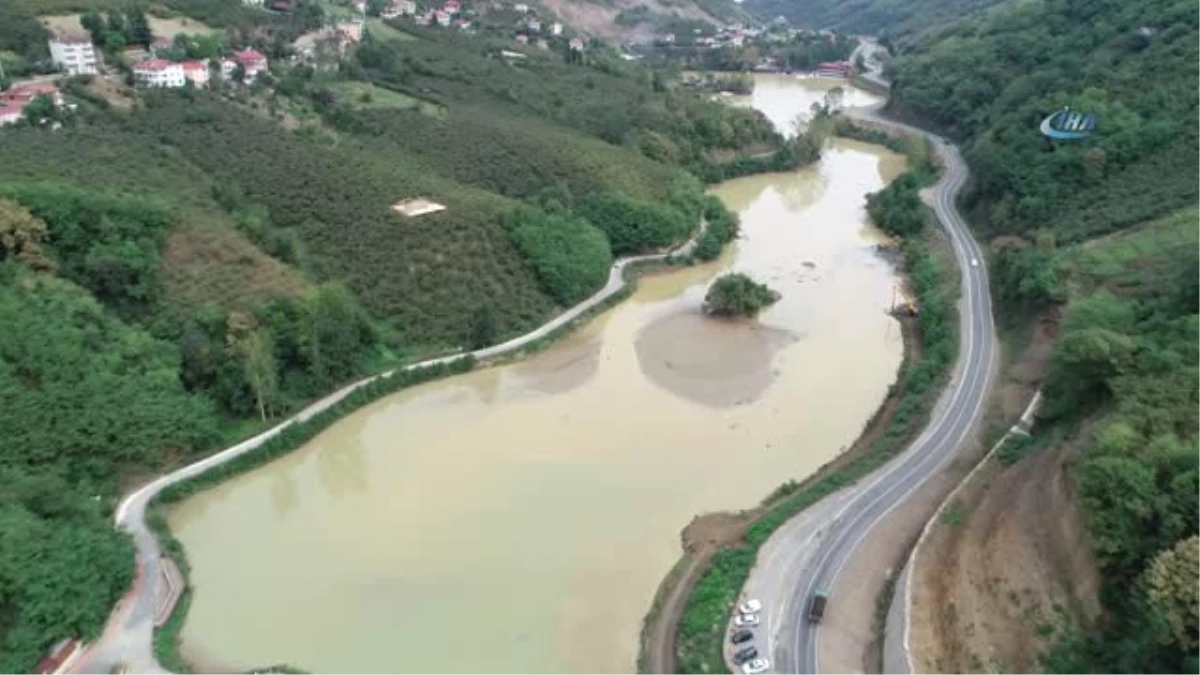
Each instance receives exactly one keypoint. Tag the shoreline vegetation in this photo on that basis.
(717, 581)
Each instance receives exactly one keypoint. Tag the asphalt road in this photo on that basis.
(809, 551)
(129, 634)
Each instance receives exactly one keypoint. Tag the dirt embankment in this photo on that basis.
(1007, 565)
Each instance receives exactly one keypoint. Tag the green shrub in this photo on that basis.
(570, 256)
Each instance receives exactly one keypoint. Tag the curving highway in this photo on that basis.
(809, 552)
(129, 635)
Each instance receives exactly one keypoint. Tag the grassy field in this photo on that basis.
(381, 30)
(166, 28)
(368, 96)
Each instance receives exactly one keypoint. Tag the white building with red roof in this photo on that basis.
(196, 72)
(14, 100)
(252, 62)
(159, 73)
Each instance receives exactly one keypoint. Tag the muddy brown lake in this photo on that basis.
(520, 518)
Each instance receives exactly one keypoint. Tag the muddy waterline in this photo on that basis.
(520, 518)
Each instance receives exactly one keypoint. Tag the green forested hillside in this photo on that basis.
(991, 81)
(1105, 228)
(890, 18)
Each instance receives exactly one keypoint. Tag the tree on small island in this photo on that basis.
(737, 295)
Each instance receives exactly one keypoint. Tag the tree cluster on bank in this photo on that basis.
(737, 295)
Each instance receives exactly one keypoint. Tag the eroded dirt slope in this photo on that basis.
(1008, 565)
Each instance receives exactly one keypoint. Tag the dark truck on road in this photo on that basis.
(816, 606)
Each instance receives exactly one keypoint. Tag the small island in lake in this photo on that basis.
(737, 295)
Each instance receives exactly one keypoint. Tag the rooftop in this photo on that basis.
(154, 64)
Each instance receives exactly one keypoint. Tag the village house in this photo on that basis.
(556, 28)
(252, 62)
(451, 7)
(521, 7)
(535, 25)
(523, 39)
(443, 18)
(14, 100)
(835, 69)
(252, 3)
(196, 72)
(74, 54)
(399, 8)
(159, 73)
(576, 44)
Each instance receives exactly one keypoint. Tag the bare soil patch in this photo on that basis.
(1007, 566)
(996, 584)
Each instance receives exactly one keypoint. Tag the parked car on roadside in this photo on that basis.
(740, 636)
(750, 607)
(745, 620)
(755, 666)
(745, 655)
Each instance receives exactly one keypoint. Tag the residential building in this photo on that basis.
(24, 93)
(253, 3)
(252, 61)
(10, 113)
(523, 39)
(576, 44)
(451, 7)
(159, 73)
(74, 54)
(196, 72)
(521, 7)
(535, 25)
(835, 69)
(443, 18)
(556, 28)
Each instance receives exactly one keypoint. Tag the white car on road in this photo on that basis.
(744, 620)
(755, 666)
(750, 607)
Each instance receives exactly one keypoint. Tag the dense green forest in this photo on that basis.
(174, 275)
(896, 18)
(1094, 227)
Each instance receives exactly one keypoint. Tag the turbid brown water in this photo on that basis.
(520, 518)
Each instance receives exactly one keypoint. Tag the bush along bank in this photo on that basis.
(701, 632)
